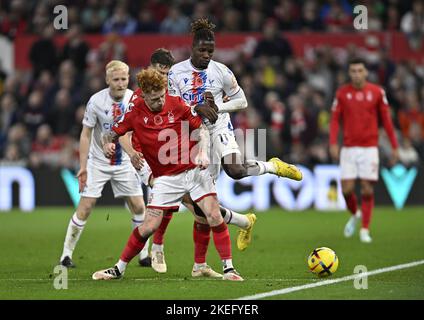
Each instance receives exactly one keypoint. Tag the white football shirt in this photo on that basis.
(101, 113)
(189, 83)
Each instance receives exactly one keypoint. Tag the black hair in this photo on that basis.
(163, 57)
(202, 30)
(357, 61)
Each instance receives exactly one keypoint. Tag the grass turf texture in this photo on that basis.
(31, 244)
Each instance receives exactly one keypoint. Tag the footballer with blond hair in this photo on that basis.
(103, 110)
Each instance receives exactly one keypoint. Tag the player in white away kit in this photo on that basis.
(192, 80)
(104, 109)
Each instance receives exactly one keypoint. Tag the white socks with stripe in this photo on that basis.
(73, 234)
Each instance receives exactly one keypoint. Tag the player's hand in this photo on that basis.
(137, 160)
(395, 157)
(206, 111)
(202, 160)
(210, 101)
(334, 152)
(109, 149)
(82, 179)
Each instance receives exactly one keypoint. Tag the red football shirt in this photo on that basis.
(361, 111)
(163, 136)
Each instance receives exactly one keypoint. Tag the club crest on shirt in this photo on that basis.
(369, 96)
(171, 118)
(158, 120)
(145, 120)
(359, 96)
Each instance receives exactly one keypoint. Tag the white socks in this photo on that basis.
(138, 219)
(257, 168)
(157, 247)
(227, 264)
(231, 217)
(122, 265)
(73, 234)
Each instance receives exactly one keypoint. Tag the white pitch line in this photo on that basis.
(328, 282)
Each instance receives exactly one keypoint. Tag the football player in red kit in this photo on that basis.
(164, 127)
(360, 106)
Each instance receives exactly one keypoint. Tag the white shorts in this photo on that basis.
(123, 178)
(168, 191)
(223, 143)
(359, 162)
(144, 174)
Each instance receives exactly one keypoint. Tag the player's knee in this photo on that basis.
(236, 172)
(84, 209)
(139, 208)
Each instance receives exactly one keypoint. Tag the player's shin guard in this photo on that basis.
(134, 245)
(367, 207)
(351, 202)
(221, 238)
(160, 232)
(201, 237)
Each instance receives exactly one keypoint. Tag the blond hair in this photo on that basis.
(115, 65)
(151, 80)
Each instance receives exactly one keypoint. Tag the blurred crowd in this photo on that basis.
(171, 17)
(41, 111)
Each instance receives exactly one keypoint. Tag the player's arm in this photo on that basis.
(84, 147)
(334, 128)
(237, 99)
(236, 102)
(135, 156)
(386, 119)
(88, 123)
(202, 158)
(109, 138)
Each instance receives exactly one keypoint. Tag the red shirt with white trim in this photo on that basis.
(163, 136)
(361, 111)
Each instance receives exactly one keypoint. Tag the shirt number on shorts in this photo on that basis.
(224, 138)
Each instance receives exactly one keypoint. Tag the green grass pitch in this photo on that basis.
(31, 243)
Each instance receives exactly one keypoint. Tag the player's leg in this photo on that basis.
(201, 239)
(158, 254)
(349, 173)
(368, 174)
(138, 208)
(75, 227)
(135, 244)
(235, 169)
(244, 221)
(126, 184)
(221, 235)
(96, 179)
(166, 194)
(367, 204)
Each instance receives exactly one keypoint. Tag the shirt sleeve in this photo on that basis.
(125, 124)
(386, 119)
(189, 115)
(173, 89)
(336, 110)
(90, 117)
(231, 86)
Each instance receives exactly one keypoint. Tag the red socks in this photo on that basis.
(221, 238)
(351, 202)
(134, 245)
(367, 206)
(160, 232)
(201, 237)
